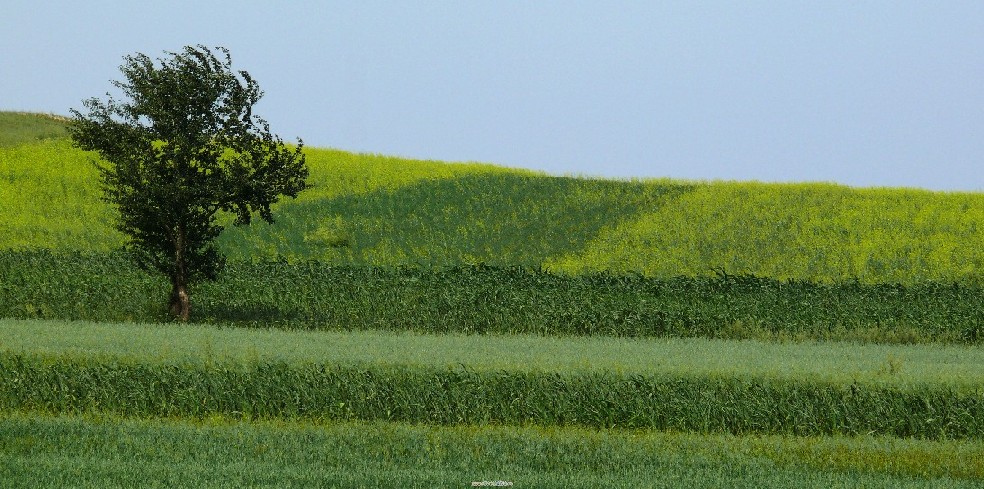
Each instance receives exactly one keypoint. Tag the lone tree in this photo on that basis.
(182, 146)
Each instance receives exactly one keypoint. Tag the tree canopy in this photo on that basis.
(182, 146)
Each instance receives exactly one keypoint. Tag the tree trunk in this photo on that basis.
(180, 304)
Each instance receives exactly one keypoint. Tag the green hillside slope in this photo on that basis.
(21, 127)
(378, 210)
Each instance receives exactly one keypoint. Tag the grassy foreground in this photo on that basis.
(110, 452)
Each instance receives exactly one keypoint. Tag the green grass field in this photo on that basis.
(55, 445)
(58, 451)
(412, 323)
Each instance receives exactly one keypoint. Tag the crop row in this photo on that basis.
(459, 396)
(831, 362)
(485, 299)
(104, 452)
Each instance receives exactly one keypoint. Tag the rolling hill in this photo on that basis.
(368, 209)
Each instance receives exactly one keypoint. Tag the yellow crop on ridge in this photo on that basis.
(801, 231)
(336, 172)
(52, 199)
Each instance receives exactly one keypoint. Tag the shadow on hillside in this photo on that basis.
(495, 218)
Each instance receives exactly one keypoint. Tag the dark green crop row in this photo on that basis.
(482, 299)
(460, 396)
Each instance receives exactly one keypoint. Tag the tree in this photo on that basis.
(181, 147)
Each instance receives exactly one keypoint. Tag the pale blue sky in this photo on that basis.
(862, 93)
